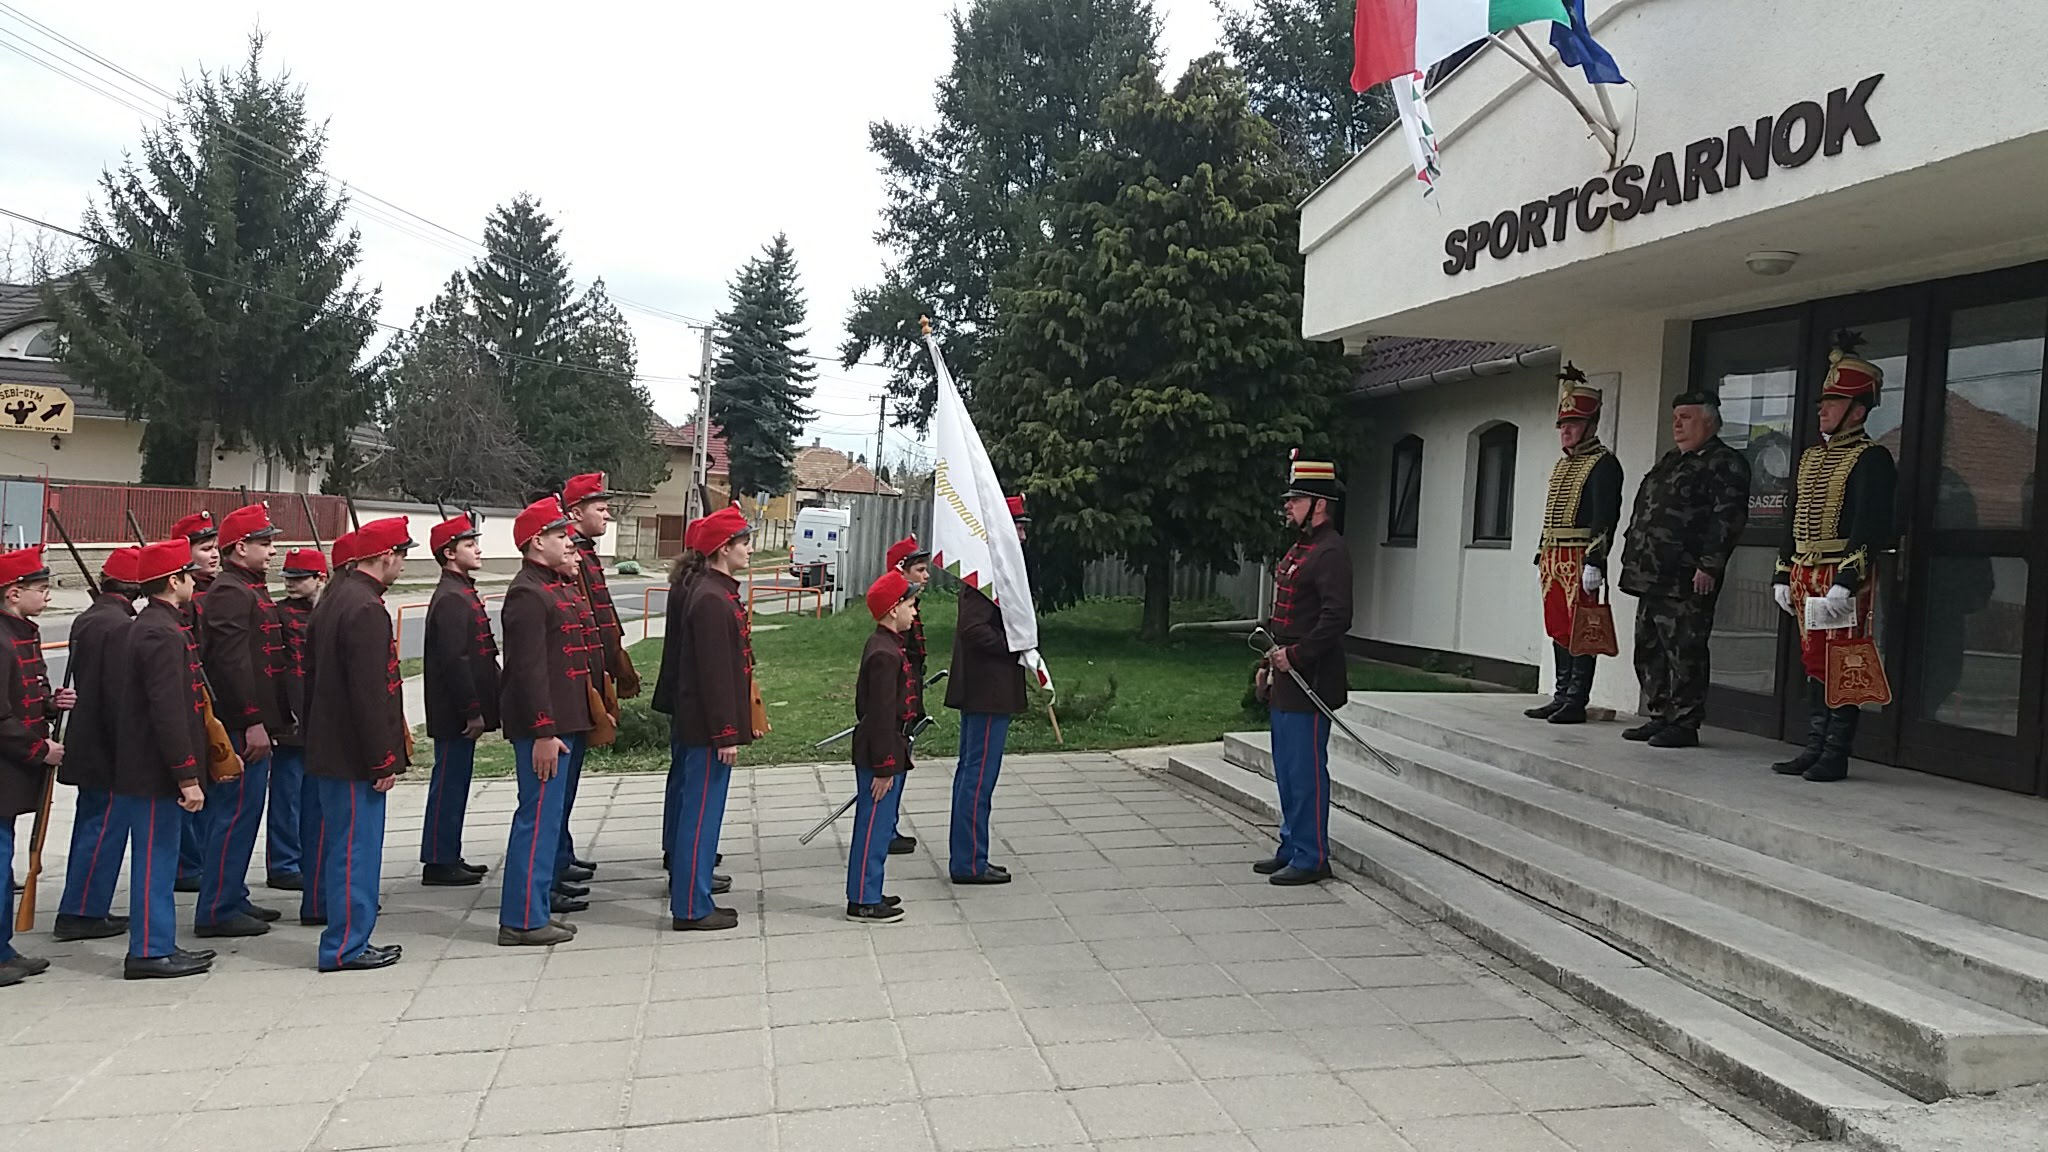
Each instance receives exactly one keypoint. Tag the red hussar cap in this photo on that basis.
(305, 562)
(710, 533)
(390, 534)
(543, 515)
(589, 486)
(904, 551)
(164, 558)
(450, 530)
(889, 590)
(196, 527)
(120, 565)
(22, 565)
(1017, 513)
(249, 522)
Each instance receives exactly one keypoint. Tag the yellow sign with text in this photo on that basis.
(28, 408)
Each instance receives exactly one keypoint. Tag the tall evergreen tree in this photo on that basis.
(1149, 376)
(965, 198)
(762, 380)
(221, 304)
(1296, 57)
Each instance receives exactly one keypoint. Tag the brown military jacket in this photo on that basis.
(606, 615)
(160, 734)
(99, 651)
(461, 665)
(1311, 614)
(986, 676)
(242, 645)
(355, 715)
(885, 704)
(25, 714)
(552, 656)
(713, 699)
(296, 614)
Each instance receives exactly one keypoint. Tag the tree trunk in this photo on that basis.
(202, 459)
(1158, 598)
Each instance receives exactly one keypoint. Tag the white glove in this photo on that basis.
(1783, 594)
(1591, 578)
(1036, 663)
(1838, 594)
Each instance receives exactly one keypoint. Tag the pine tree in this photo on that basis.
(1152, 375)
(762, 380)
(1296, 57)
(524, 302)
(964, 199)
(220, 304)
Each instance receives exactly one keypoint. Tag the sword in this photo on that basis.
(842, 734)
(916, 730)
(1271, 646)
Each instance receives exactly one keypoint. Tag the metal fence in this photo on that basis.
(1245, 591)
(877, 522)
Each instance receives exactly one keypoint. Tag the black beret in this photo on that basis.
(1685, 398)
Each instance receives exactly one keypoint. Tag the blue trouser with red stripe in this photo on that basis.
(536, 834)
(192, 840)
(1301, 768)
(98, 841)
(237, 807)
(982, 735)
(352, 869)
(313, 852)
(7, 951)
(874, 825)
(565, 846)
(283, 848)
(700, 812)
(154, 825)
(447, 801)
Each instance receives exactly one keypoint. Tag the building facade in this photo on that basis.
(1784, 173)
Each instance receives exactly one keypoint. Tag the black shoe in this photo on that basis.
(893, 901)
(206, 954)
(392, 950)
(572, 891)
(719, 920)
(1828, 770)
(1543, 711)
(544, 936)
(479, 869)
(586, 865)
(577, 873)
(902, 845)
(874, 913)
(369, 959)
(1268, 867)
(564, 904)
(286, 882)
(1572, 713)
(717, 858)
(26, 965)
(164, 967)
(449, 876)
(9, 977)
(1290, 876)
(994, 875)
(1643, 731)
(1676, 736)
(664, 862)
(240, 924)
(720, 885)
(259, 912)
(186, 884)
(69, 928)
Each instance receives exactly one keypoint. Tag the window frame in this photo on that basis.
(1405, 498)
(1496, 436)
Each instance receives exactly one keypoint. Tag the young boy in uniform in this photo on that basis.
(886, 703)
(27, 754)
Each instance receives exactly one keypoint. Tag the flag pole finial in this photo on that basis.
(925, 323)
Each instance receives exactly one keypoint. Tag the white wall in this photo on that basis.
(103, 451)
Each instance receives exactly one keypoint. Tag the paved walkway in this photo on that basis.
(1134, 989)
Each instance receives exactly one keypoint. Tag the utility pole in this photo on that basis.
(881, 430)
(700, 453)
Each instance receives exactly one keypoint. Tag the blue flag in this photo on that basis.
(1577, 48)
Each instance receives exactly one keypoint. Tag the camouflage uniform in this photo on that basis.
(1689, 512)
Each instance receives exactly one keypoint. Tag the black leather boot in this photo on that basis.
(1563, 662)
(1834, 757)
(1578, 690)
(1816, 733)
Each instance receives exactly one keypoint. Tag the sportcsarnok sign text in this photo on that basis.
(1706, 167)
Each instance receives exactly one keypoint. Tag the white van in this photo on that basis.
(819, 537)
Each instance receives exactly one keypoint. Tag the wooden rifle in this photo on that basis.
(312, 525)
(25, 915)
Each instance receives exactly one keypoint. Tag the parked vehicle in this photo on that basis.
(819, 537)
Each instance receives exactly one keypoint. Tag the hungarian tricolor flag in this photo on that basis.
(1404, 37)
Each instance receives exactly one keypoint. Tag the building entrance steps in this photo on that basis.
(1707, 904)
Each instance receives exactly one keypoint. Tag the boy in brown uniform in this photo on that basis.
(160, 746)
(545, 708)
(197, 530)
(356, 738)
(293, 857)
(589, 507)
(462, 698)
(99, 654)
(713, 715)
(914, 561)
(27, 754)
(886, 703)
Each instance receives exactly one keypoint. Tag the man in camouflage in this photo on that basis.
(1689, 512)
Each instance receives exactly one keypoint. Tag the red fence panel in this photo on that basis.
(98, 513)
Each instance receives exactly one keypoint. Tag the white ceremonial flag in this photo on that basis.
(973, 535)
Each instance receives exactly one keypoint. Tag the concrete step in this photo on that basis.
(1981, 962)
(1806, 1086)
(1883, 838)
(1928, 1041)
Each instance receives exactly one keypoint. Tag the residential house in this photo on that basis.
(823, 474)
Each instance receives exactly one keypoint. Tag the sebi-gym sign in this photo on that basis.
(1704, 168)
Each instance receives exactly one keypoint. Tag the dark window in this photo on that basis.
(1404, 492)
(1493, 490)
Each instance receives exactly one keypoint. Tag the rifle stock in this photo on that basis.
(39, 836)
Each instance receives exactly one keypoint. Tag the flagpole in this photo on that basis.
(1609, 137)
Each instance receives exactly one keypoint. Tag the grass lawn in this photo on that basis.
(1115, 690)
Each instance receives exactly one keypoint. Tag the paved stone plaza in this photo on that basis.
(1134, 989)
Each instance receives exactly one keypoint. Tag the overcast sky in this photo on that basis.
(668, 141)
